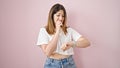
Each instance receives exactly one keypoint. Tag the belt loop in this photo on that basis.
(69, 57)
(52, 60)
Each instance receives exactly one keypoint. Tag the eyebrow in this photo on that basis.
(60, 13)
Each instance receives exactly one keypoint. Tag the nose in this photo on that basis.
(60, 18)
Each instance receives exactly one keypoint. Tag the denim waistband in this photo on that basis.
(61, 60)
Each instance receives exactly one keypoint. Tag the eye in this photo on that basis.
(58, 15)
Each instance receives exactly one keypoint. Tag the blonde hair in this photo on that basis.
(50, 28)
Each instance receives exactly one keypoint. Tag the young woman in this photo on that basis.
(57, 40)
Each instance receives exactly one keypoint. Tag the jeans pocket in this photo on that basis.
(50, 64)
(71, 63)
(47, 63)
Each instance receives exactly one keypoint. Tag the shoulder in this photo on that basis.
(43, 30)
(69, 29)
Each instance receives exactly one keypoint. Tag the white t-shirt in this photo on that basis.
(72, 35)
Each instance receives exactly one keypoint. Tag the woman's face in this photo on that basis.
(59, 16)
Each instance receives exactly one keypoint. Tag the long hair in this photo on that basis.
(50, 28)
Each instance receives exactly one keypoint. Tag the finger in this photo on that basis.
(67, 47)
(63, 47)
(61, 24)
(59, 21)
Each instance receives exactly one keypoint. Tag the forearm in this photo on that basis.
(82, 43)
(51, 47)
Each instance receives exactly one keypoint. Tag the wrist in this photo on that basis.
(58, 30)
(74, 44)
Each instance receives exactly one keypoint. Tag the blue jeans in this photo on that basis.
(63, 63)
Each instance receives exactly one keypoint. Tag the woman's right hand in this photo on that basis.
(58, 25)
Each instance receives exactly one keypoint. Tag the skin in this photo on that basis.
(49, 48)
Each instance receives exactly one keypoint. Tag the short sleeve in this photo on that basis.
(42, 37)
(75, 35)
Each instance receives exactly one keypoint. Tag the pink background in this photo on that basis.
(98, 20)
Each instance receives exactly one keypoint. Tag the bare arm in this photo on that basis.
(82, 42)
(49, 48)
